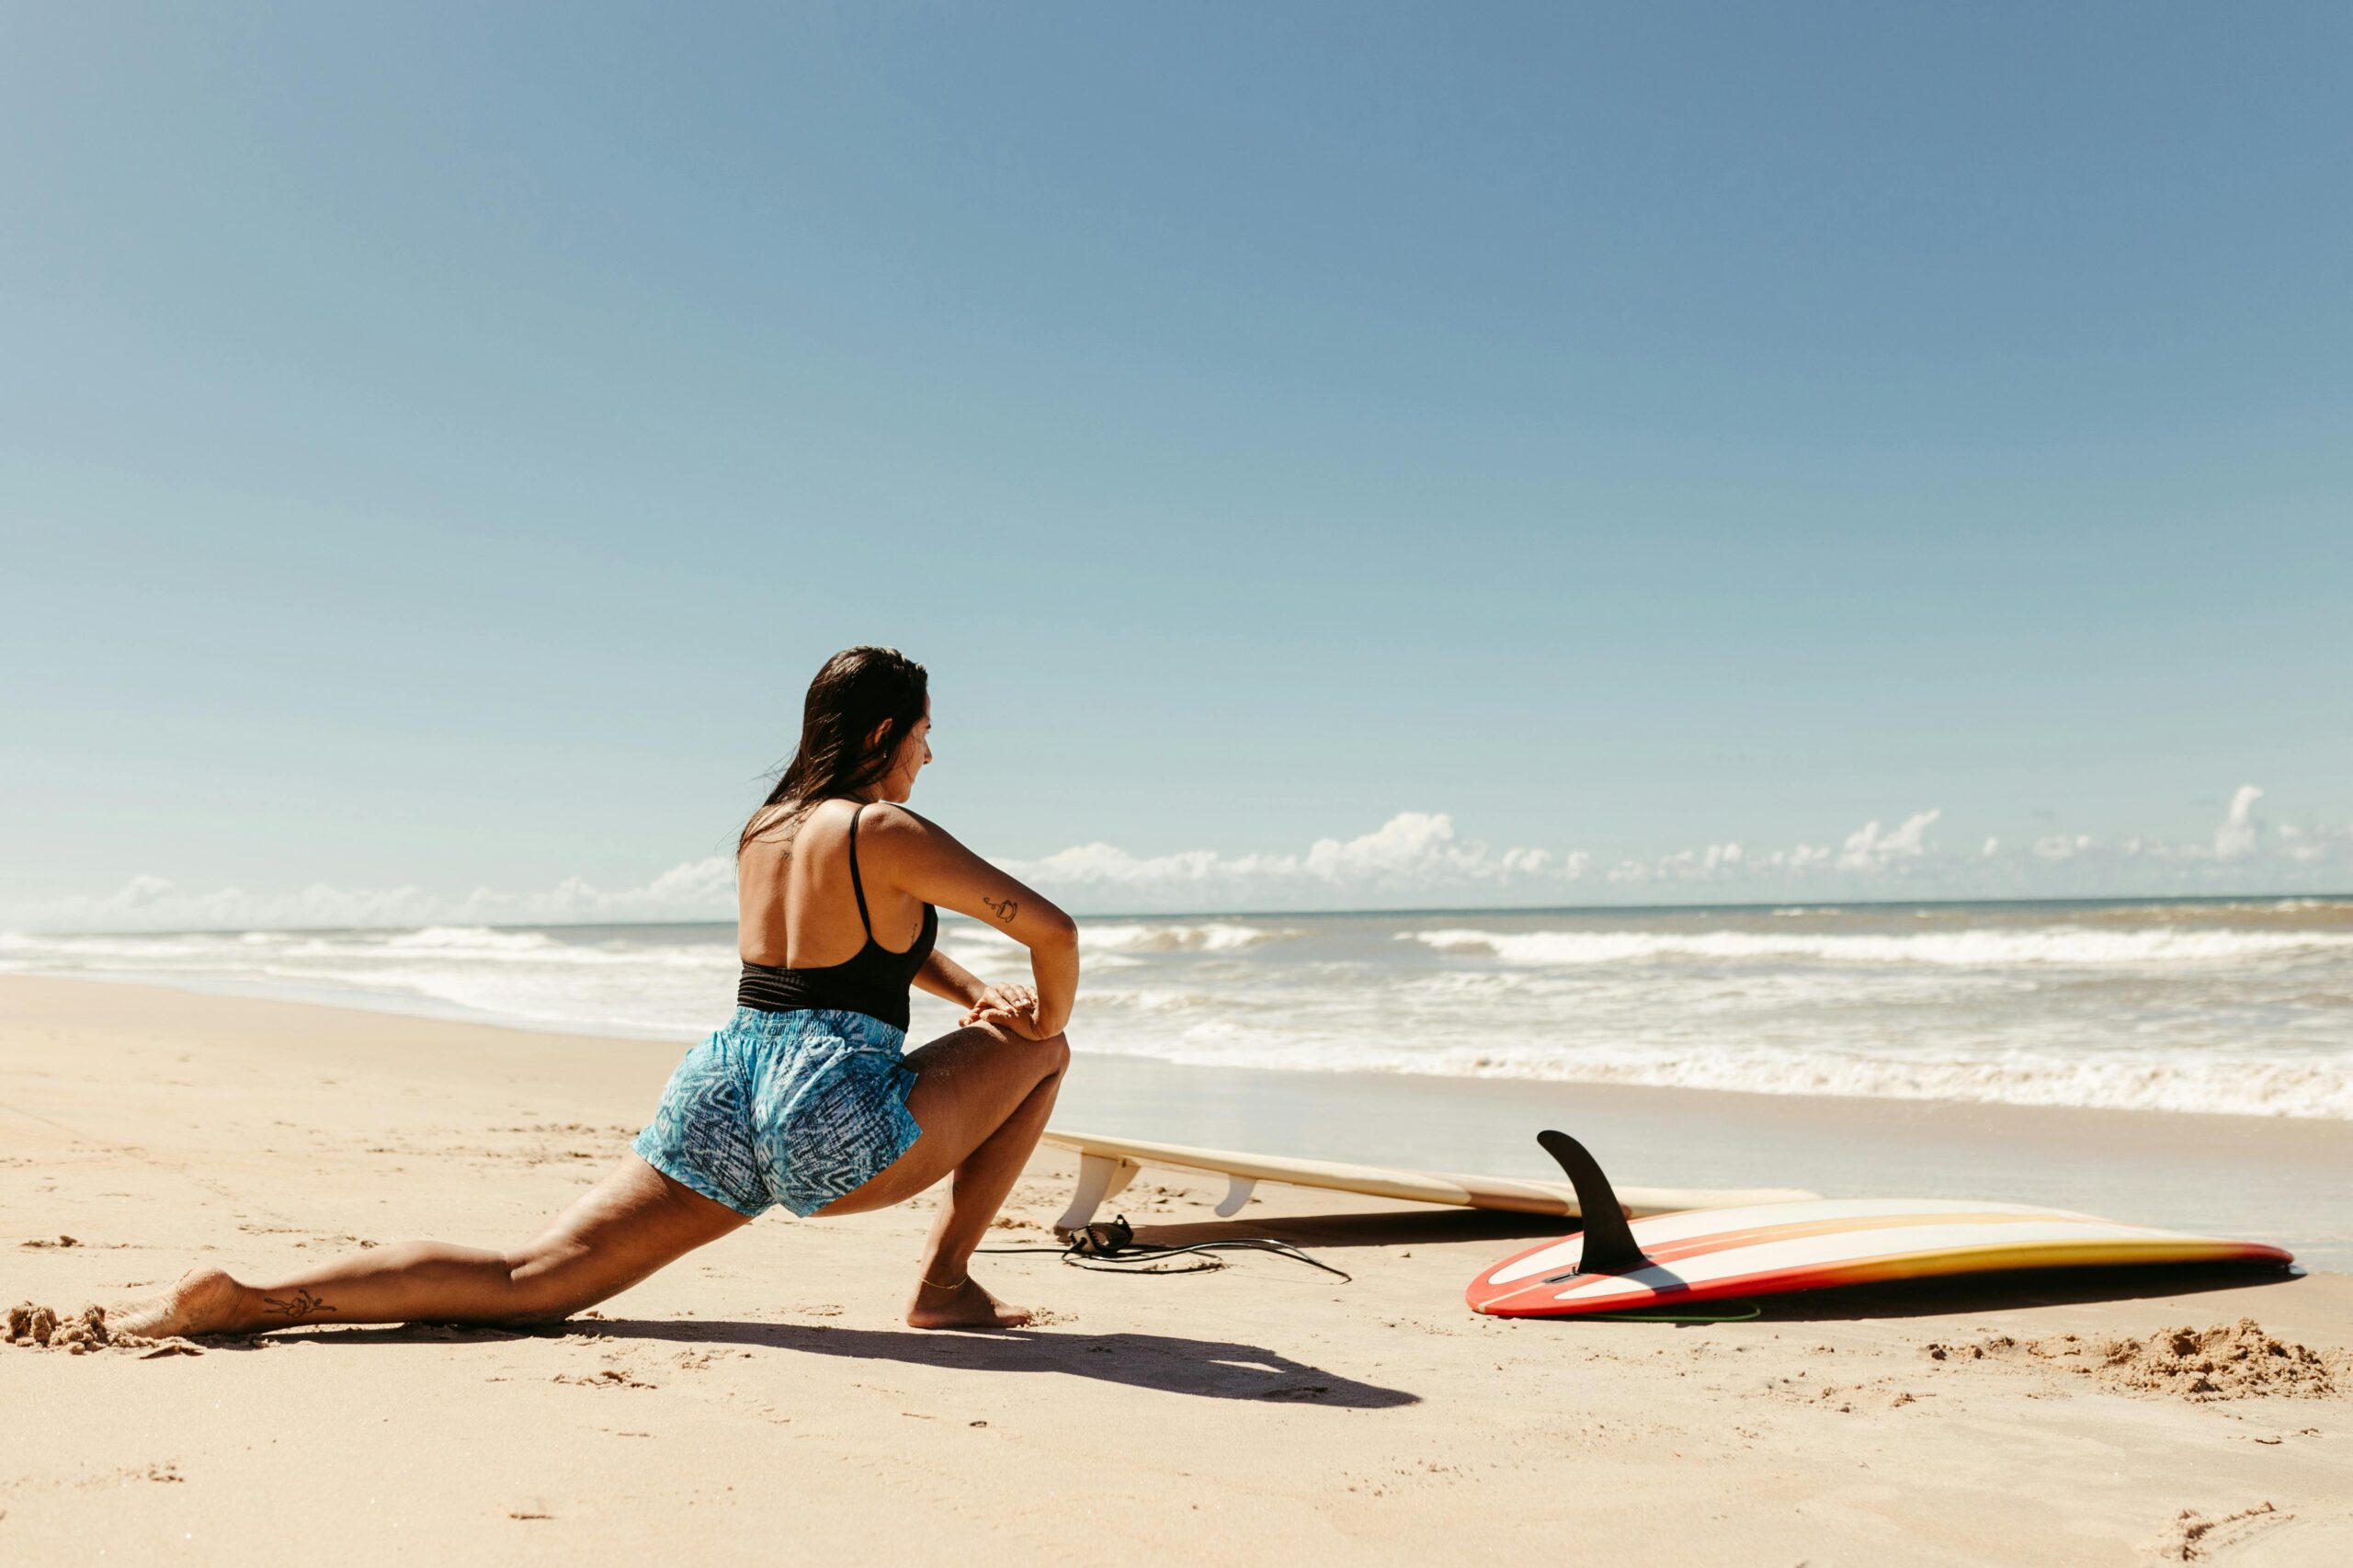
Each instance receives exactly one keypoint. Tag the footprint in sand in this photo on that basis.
(611, 1377)
(2193, 1537)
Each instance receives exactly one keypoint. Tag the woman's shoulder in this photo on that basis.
(904, 842)
(879, 822)
(890, 820)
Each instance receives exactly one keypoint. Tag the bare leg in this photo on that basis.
(975, 1192)
(981, 1096)
(628, 1225)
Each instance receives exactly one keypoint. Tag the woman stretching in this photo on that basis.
(803, 1098)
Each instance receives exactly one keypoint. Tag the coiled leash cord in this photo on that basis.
(1114, 1248)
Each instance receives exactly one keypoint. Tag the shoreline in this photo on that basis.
(1255, 1411)
(2200, 1011)
(2270, 1179)
(429, 1011)
(2191, 1011)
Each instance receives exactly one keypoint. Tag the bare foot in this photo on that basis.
(962, 1306)
(206, 1301)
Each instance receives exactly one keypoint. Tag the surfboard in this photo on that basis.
(1106, 1165)
(1773, 1248)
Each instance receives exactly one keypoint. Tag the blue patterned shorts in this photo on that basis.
(795, 1109)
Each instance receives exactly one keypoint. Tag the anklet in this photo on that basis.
(943, 1284)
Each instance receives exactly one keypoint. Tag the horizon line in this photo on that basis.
(2110, 902)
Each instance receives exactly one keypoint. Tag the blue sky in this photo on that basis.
(437, 444)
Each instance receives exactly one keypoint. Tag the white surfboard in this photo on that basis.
(1106, 1166)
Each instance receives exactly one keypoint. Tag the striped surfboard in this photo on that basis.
(1771, 1249)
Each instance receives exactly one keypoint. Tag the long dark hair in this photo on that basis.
(856, 689)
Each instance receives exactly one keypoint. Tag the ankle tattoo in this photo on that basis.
(295, 1308)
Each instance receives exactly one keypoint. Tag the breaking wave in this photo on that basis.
(1209, 936)
(2243, 1007)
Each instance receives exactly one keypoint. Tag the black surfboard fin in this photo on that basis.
(1609, 1241)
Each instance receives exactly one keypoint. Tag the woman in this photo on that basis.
(802, 1099)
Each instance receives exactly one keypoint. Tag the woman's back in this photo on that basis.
(801, 877)
(799, 887)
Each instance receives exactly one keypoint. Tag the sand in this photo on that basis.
(761, 1400)
(2236, 1360)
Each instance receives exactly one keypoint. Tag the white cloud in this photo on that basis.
(693, 890)
(1413, 852)
(2237, 833)
(1868, 849)
(1419, 854)
(1414, 857)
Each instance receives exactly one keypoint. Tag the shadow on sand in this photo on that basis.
(1211, 1369)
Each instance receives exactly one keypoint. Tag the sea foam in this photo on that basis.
(2243, 1007)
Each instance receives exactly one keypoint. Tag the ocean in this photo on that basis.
(2235, 1006)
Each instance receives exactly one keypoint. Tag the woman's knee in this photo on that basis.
(1048, 1056)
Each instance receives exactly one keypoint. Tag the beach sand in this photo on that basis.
(761, 1399)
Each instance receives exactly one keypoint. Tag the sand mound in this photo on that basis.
(2227, 1361)
(36, 1327)
(31, 1323)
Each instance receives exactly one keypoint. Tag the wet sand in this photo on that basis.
(761, 1399)
(2278, 1179)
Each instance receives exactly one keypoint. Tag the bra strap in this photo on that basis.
(856, 885)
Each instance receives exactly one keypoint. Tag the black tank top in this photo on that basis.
(874, 982)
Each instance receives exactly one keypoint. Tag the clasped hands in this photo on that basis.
(1013, 1007)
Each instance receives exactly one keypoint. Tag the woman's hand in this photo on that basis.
(1013, 1007)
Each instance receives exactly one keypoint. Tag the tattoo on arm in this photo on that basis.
(297, 1307)
(1003, 911)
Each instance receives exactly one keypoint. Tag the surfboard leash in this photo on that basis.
(1113, 1248)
